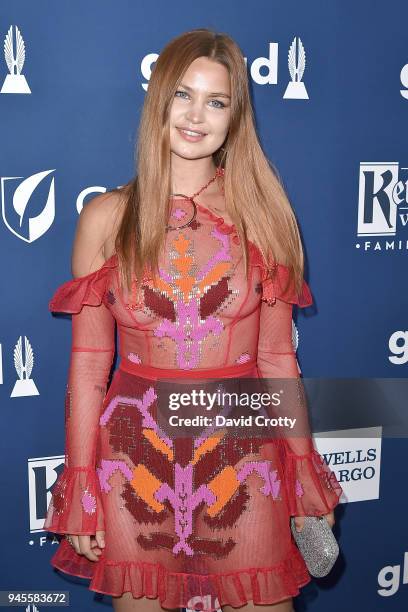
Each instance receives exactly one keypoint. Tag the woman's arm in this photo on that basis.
(75, 507)
(311, 487)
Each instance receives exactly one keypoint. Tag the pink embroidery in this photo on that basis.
(88, 502)
(299, 489)
(271, 486)
(143, 406)
(224, 254)
(185, 323)
(106, 470)
(184, 501)
(183, 496)
(134, 357)
(179, 213)
(243, 358)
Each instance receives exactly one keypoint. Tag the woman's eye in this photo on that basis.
(184, 93)
(222, 105)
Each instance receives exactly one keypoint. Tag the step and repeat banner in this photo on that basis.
(329, 82)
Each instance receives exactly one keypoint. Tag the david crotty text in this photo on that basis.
(221, 421)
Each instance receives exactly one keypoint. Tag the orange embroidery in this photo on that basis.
(159, 444)
(223, 486)
(145, 485)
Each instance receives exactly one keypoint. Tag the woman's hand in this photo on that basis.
(89, 546)
(299, 521)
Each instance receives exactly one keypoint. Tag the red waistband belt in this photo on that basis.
(247, 368)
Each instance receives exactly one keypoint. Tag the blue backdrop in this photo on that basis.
(69, 111)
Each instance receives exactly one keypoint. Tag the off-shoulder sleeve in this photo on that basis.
(87, 290)
(312, 489)
(75, 506)
(279, 286)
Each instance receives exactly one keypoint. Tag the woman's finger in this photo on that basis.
(299, 522)
(100, 538)
(85, 548)
(75, 544)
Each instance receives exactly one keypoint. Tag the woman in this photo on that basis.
(201, 286)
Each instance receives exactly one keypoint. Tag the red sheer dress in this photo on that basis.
(187, 520)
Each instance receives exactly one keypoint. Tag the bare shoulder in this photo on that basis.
(95, 227)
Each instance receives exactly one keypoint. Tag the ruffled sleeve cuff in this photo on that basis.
(83, 290)
(312, 488)
(75, 506)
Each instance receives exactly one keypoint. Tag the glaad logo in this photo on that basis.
(13, 211)
(43, 473)
(392, 584)
(398, 345)
(25, 386)
(296, 89)
(269, 66)
(15, 82)
(380, 194)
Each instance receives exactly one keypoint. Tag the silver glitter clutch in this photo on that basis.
(317, 544)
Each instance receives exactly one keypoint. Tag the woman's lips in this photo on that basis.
(190, 137)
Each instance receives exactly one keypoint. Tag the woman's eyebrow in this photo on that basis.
(220, 94)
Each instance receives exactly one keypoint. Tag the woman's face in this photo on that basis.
(202, 104)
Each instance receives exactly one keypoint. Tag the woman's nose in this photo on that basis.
(195, 112)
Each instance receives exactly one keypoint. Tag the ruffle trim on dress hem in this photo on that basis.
(266, 585)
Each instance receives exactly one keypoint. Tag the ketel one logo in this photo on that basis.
(15, 82)
(380, 195)
(15, 203)
(43, 472)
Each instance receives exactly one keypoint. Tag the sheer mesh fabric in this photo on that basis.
(76, 507)
(311, 486)
(184, 519)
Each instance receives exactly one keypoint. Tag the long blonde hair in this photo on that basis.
(254, 195)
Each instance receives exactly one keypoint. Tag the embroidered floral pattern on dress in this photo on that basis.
(159, 484)
(88, 502)
(187, 301)
(107, 468)
(179, 214)
(299, 488)
(184, 516)
(243, 358)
